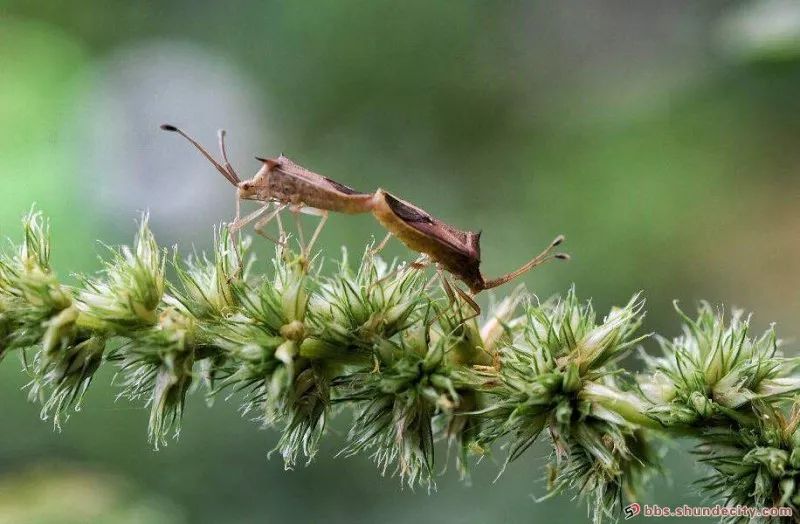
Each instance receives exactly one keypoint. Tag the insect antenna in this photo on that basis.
(539, 259)
(230, 176)
(228, 167)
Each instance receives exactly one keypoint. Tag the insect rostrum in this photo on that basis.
(296, 345)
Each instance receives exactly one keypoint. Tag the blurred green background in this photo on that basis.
(660, 137)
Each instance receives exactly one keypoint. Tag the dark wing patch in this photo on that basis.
(406, 212)
(343, 188)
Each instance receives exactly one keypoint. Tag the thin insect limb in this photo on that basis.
(236, 226)
(317, 231)
(539, 259)
(448, 289)
(430, 282)
(239, 223)
(296, 215)
(451, 291)
(419, 264)
(382, 244)
(259, 226)
(238, 235)
(281, 231)
(470, 301)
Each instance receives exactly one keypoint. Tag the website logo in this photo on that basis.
(631, 510)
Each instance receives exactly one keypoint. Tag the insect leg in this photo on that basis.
(316, 232)
(296, 214)
(281, 231)
(239, 223)
(382, 244)
(451, 291)
(470, 301)
(262, 223)
(238, 240)
(419, 264)
(448, 289)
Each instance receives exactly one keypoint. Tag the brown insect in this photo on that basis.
(455, 251)
(280, 183)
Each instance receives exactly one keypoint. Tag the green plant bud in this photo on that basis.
(719, 359)
(701, 404)
(674, 414)
(211, 287)
(342, 331)
(774, 459)
(5, 331)
(546, 385)
(434, 358)
(251, 352)
(361, 313)
(778, 386)
(315, 348)
(84, 357)
(397, 314)
(571, 378)
(657, 388)
(417, 339)
(294, 330)
(168, 398)
(373, 326)
(496, 325)
(603, 342)
(730, 394)
(294, 299)
(787, 490)
(59, 297)
(60, 330)
(131, 286)
(763, 486)
(277, 388)
(794, 458)
(563, 412)
(64, 375)
(287, 351)
(387, 351)
(444, 383)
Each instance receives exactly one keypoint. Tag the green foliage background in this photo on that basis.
(653, 137)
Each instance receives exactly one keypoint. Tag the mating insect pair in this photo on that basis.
(282, 184)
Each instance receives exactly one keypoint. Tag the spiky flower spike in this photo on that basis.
(412, 362)
(729, 389)
(757, 466)
(262, 350)
(30, 296)
(374, 314)
(128, 292)
(556, 375)
(37, 311)
(715, 370)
